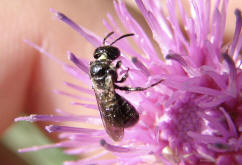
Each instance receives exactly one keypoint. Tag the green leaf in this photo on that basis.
(24, 134)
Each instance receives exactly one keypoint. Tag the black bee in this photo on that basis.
(116, 112)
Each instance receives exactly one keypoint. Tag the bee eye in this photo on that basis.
(98, 52)
(113, 53)
(96, 56)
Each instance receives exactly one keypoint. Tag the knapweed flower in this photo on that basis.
(193, 117)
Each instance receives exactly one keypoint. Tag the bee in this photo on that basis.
(116, 112)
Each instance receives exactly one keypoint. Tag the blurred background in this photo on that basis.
(27, 78)
(24, 134)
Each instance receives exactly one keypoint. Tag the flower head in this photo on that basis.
(193, 117)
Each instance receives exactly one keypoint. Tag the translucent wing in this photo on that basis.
(104, 99)
(116, 133)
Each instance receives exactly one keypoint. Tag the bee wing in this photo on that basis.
(116, 133)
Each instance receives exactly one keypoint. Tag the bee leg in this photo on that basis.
(118, 64)
(124, 77)
(125, 88)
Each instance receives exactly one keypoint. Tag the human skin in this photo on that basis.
(27, 78)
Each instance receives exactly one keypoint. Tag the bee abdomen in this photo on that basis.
(129, 114)
(121, 113)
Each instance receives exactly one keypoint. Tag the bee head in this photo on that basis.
(106, 52)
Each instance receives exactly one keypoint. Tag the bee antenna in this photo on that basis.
(123, 36)
(105, 38)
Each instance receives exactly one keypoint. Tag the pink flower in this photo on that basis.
(193, 117)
